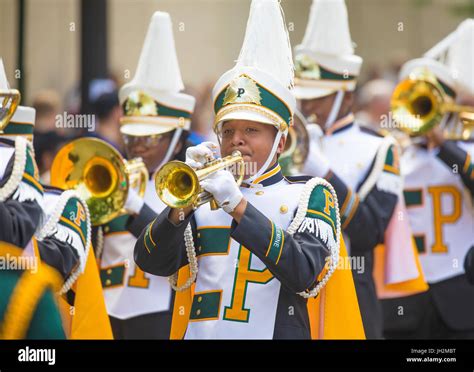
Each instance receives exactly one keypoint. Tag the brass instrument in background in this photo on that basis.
(9, 101)
(178, 185)
(296, 149)
(419, 103)
(100, 175)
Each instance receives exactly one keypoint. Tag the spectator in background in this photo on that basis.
(48, 137)
(107, 111)
(203, 116)
(47, 144)
(374, 101)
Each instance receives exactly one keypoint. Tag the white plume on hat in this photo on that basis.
(327, 46)
(23, 114)
(267, 43)
(265, 57)
(456, 52)
(158, 76)
(3, 77)
(327, 30)
(461, 56)
(158, 68)
(258, 88)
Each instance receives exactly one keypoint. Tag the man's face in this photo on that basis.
(254, 140)
(321, 107)
(152, 149)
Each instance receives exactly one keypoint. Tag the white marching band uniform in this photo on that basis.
(128, 291)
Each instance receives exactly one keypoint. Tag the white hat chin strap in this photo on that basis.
(336, 107)
(171, 147)
(269, 159)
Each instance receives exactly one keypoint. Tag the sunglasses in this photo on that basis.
(145, 141)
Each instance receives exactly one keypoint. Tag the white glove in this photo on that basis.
(224, 189)
(134, 202)
(197, 156)
(317, 163)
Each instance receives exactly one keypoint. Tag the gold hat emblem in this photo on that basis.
(242, 90)
(140, 104)
(306, 68)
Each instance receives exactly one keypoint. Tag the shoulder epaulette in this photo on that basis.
(297, 179)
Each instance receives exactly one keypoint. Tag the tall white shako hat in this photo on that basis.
(22, 122)
(325, 61)
(152, 101)
(258, 88)
(451, 61)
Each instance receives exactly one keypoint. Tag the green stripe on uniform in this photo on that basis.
(112, 276)
(116, 225)
(317, 203)
(206, 305)
(420, 243)
(276, 243)
(18, 129)
(413, 198)
(213, 240)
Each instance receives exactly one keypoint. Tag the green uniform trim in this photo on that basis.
(27, 305)
(275, 246)
(167, 111)
(392, 164)
(413, 197)
(30, 174)
(206, 305)
(213, 241)
(112, 276)
(118, 224)
(147, 239)
(420, 243)
(450, 92)
(320, 202)
(70, 218)
(46, 320)
(15, 128)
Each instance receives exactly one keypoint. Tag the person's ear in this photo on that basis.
(281, 144)
(118, 113)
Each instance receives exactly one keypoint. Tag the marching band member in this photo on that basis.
(362, 165)
(61, 228)
(29, 195)
(155, 127)
(264, 251)
(439, 187)
(21, 195)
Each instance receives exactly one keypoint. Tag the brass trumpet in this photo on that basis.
(419, 103)
(296, 150)
(101, 176)
(10, 99)
(178, 185)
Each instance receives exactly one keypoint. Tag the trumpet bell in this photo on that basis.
(9, 101)
(99, 174)
(416, 104)
(177, 184)
(419, 103)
